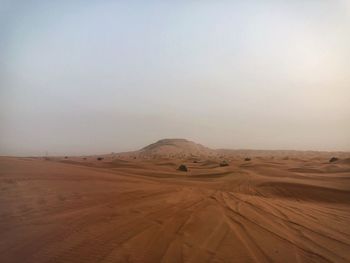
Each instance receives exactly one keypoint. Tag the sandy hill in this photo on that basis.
(174, 148)
(185, 149)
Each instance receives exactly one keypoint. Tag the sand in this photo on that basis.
(270, 209)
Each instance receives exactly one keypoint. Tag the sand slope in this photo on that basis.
(76, 210)
(172, 148)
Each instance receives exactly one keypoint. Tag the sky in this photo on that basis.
(86, 77)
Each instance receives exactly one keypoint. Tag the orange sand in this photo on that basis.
(122, 209)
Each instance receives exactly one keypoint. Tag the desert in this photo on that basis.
(279, 206)
(175, 131)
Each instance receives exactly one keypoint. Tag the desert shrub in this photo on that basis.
(65, 157)
(333, 159)
(183, 168)
(99, 158)
(247, 159)
(224, 163)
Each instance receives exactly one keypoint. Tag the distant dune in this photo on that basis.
(278, 206)
(173, 148)
(184, 149)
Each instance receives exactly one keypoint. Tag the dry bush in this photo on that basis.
(333, 159)
(183, 168)
(224, 163)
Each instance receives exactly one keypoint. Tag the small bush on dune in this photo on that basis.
(183, 168)
(99, 158)
(247, 159)
(333, 159)
(224, 163)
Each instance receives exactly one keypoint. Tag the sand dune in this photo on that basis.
(145, 210)
(172, 148)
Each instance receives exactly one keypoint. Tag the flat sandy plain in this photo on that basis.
(129, 209)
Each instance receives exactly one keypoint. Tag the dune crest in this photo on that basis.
(174, 149)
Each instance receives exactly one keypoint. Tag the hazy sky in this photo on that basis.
(80, 77)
